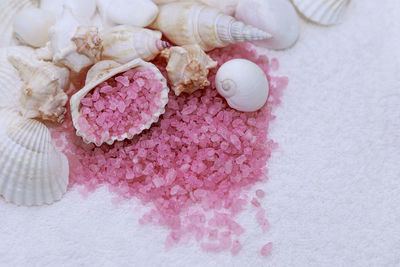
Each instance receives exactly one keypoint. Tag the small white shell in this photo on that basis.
(32, 171)
(80, 8)
(31, 26)
(188, 68)
(42, 93)
(324, 12)
(186, 23)
(226, 6)
(243, 84)
(8, 9)
(125, 43)
(103, 71)
(277, 17)
(139, 13)
(62, 45)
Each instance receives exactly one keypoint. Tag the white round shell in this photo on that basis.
(80, 8)
(324, 12)
(103, 71)
(243, 84)
(277, 17)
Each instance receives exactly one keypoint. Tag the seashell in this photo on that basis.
(243, 84)
(32, 171)
(88, 42)
(226, 6)
(277, 17)
(324, 12)
(8, 10)
(101, 72)
(139, 13)
(31, 26)
(80, 8)
(125, 43)
(42, 93)
(188, 68)
(63, 46)
(186, 23)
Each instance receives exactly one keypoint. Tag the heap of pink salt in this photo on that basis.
(194, 165)
(121, 105)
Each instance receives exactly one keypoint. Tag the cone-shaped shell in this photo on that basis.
(8, 10)
(324, 12)
(186, 23)
(125, 43)
(32, 171)
(101, 72)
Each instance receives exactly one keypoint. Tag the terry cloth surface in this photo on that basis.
(333, 198)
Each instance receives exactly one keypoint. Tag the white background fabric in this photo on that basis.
(333, 198)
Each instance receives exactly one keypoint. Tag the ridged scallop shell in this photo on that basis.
(125, 43)
(103, 71)
(188, 68)
(8, 9)
(42, 93)
(185, 23)
(32, 171)
(325, 12)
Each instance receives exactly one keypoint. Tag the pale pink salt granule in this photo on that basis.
(120, 105)
(266, 249)
(197, 161)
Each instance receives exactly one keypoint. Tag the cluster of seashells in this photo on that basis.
(47, 47)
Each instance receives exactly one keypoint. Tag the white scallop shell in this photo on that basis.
(243, 84)
(188, 68)
(32, 171)
(277, 17)
(8, 9)
(125, 43)
(325, 12)
(103, 71)
(139, 13)
(186, 23)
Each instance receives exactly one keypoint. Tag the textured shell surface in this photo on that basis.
(188, 68)
(128, 12)
(277, 17)
(63, 47)
(8, 10)
(80, 8)
(226, 6)
(42, 94)
(125, 43)
(103, 71)
(186, 23)
(324, 12)
(32, 170)
(243, 84)
(31, 26)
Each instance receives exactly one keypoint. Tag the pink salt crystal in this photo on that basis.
(266, 249)
(123, 80)
(210, 247)
(260, 193)
(236, 247)
(255, 203)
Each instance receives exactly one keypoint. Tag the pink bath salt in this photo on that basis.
(266, 249)
(260, 193)
(201, 155)
(255, 203)
(120, 105)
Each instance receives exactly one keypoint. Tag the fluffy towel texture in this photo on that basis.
(333, 194)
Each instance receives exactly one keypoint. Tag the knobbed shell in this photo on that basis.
(243, 84)
(324, 12)
(139, 13)
(125, 43)
(277, 17)
(42, 93)
(188, 68)
(8, 10)
(186, 23)
(101, 72)
(31, 26)
(63, 36)
(32, 171)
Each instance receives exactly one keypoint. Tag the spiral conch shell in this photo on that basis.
(125, 43)
(101, 72)
(188, 68)
(42, 92)
(186, 23)
(32, 170)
